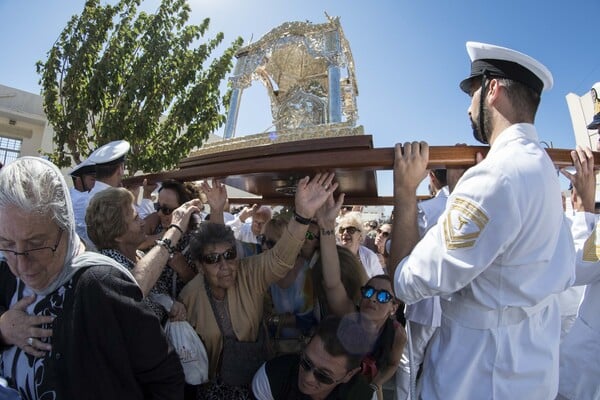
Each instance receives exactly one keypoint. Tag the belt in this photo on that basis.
(479, 318)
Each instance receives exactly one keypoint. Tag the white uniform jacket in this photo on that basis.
(500, 251)
(428, 311)
(579, 351)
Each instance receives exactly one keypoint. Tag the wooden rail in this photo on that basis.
(333, 160)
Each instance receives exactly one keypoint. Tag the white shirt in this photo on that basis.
(500, 252)
(579, 363)
(242, 230)
(370, 261)
(75, 194)
(145, 208)
(428, 211)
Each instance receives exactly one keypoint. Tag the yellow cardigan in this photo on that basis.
(245, 299)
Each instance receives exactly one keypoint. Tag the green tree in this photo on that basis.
(119, 73)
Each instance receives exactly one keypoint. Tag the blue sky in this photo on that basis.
(409, 55)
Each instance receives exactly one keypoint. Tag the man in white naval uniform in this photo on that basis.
(110, 169)
(502, 248)
(84, 178)
(579, 350)
(424, 316)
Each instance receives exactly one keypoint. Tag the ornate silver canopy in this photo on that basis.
(308, 72)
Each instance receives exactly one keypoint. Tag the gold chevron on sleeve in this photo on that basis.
(463, 223)
(591, 250)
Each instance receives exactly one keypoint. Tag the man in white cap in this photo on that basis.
(109, 161)
(502, 248)
(84, 178)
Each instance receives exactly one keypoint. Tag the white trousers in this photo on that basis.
(420, 336)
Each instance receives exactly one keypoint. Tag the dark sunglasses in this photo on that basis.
(382, 296)
(319, 375)
(165, 210)
(214, 258)
(311, 236)
(383, 233)
(350, 229)
(268, 243)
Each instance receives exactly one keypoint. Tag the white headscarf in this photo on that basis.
(33, 184)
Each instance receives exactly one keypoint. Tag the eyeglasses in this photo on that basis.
(350, 229)
(165, 210)
(319, 375)
(311, 236)
(383, 233)
(382, 296)
(214, 258)
(268, 243)
(34, 253)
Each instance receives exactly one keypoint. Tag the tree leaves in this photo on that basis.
(119, 73)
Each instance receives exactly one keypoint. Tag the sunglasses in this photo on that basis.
(383, 233)
(382, 296)
(319, 375)
(165, 210)
(311, 236)
(214, 258)
(268, 243)
(350, 229)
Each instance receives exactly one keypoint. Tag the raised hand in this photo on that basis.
(410, 166)
(312, 194)
(247, 212)
(181, 215)
(148, 189)
(584, 179)
(216, 195)
(328, 212)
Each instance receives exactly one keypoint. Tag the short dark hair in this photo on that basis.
(344, 337)
(440, 175)
(524, 99)
(183, 194)
(107, 170)
(209, 233)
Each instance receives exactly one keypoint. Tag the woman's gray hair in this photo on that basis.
(29, 184)
(354, 219)
(37, 186)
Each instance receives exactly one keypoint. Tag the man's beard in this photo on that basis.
(482, 135)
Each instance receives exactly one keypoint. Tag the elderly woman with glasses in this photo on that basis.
(225, 300)
(70, 320)
(116, 229)
(377, 307)
(350, 230)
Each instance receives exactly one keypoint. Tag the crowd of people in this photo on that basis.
(467, 295)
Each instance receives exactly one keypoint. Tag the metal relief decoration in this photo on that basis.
(308, 72)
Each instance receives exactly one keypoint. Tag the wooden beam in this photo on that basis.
(334, 160)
